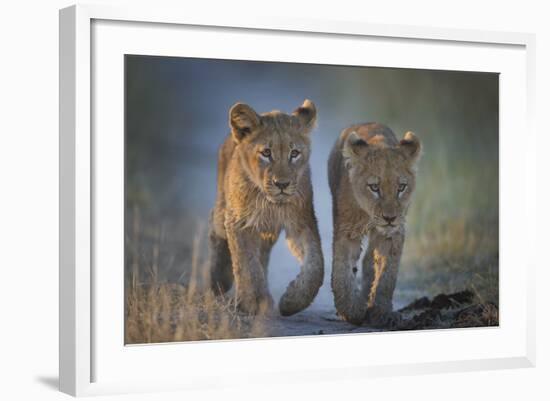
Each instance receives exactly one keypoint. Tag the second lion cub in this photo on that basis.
(372, 177)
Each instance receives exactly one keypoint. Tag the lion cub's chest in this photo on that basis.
(247, 208)
(356, 227)
(270, 219)
(269, 236)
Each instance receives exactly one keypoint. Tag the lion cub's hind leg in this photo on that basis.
(221, 270)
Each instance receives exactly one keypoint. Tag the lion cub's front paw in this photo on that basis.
(255, 306)
(291, 303)
(288, 306)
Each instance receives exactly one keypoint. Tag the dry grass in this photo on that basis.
(160, 311)
(171, 312)
(479, 315)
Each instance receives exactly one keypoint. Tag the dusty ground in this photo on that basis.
(443, 311)
(168, 312)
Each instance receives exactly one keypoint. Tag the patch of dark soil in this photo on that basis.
(420, 303)
(441, 301)
(430, 318)
(447, 311)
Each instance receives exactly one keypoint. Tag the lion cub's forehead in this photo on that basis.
(385, 162)
(278, 122)
(385, 157)
(279, 129)
(281, 142)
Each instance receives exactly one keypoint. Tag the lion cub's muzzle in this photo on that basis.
(280, 190)
(389, 225)
(282, 185)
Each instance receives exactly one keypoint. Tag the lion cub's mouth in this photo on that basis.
(279, 197)
(387, 229)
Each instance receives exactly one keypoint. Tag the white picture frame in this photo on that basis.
(79, 344)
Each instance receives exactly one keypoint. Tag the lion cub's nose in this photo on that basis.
(389, 219)
(281, 185)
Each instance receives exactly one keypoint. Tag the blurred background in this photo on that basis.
(177, 117)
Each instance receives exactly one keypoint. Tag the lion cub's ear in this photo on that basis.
(354, 147)
(243, 120)
(411, 146)
(307, 115)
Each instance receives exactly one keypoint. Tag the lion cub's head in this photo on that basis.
(382, 174)
(273, 147)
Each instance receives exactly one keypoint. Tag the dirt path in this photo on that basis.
(313, 322)
(443, 311)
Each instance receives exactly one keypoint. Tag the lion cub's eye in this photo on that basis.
(294, 154)
(401, 187)
(266, 153)
(374, 187)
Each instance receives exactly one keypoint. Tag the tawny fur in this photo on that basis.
(365, 155)
(251, 210)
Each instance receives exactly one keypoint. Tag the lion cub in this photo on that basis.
(371, 178)
(264, 186)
